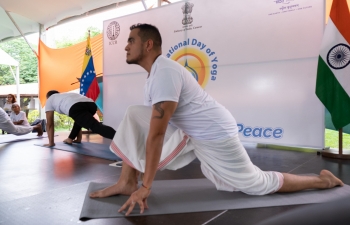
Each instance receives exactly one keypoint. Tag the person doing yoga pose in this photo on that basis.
(80, 108)
(180, 122)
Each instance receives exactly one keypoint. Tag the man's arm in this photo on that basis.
(50, 129)
(161, 114)
(18, 122)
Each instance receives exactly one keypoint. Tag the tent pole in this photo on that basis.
(144, 4)
(13, 74)
(17, 84)
(19, 30)
(341, 141)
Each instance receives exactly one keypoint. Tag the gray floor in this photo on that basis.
(43, 186)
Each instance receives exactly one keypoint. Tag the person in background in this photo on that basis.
(7, 125)
(17, 116)
(8, 104)
(81, 109)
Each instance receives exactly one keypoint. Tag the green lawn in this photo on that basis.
(332, 139)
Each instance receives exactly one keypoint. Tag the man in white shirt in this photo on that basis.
(199, 127)
(7, 125)
(80, 108)
(17, 116)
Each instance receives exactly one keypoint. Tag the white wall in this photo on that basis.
(259, 57)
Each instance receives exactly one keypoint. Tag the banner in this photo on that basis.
(60, 68)
(257, 58)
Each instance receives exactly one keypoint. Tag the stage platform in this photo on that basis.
(30, 176)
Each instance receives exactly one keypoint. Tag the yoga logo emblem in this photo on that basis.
(112, 32)
(197, 58)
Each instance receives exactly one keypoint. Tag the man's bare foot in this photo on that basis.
(329, 179)
(116, 189)
(68, 141)
(38, 129)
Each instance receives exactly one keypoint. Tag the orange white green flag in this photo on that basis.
(88, 82)
(333, 72)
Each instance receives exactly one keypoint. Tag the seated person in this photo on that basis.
(7, 125)
(17, 116)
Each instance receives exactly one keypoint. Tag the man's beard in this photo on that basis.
(136, 60)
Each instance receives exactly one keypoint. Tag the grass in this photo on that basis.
(332, 139)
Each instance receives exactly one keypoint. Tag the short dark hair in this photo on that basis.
(49, 93)
(148, 31)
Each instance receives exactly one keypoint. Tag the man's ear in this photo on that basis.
(149, 45)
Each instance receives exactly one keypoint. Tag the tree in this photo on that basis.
(67, 41)
(28, 62)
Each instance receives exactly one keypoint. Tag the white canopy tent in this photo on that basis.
(6, 59)
(22, 17)
(29, 15)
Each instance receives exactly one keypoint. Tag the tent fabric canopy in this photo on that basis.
(8, 29)
(59, 68)
(6, 59)
(50, 12)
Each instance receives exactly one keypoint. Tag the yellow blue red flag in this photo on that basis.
(88, 82)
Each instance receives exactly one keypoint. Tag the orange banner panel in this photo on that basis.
(59, 68)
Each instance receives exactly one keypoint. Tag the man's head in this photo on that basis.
(49, 93)
(16, 108)
(144, 40)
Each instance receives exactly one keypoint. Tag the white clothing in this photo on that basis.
(62, 102)
(197, 113)
(7, 125)
(224, 162)
(3, 116)
(8, 107)
(20, 116)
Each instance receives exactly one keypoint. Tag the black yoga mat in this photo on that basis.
(87, 148)
(199, 195)
(8, 138)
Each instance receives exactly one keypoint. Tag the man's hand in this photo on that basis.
(140, 196)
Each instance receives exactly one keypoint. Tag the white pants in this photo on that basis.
(224, 162)
(9, 127)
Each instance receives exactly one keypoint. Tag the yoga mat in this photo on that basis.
(199, 195)
(8, 138)
(87, 148)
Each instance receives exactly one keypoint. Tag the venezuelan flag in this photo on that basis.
(88, 82)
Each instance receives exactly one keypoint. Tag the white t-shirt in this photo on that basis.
(197, 113)
(4, 118)
(20, 116)
(62, 102)
(8, 107)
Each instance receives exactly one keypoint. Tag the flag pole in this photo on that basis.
(339, 155)
(341, 141)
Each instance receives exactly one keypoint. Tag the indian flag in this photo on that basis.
(333, 72)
